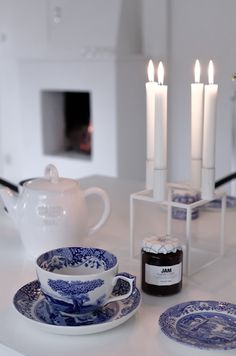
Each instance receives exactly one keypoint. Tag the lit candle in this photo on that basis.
(160, 146)
(209, 133)
(150, 120)
(196, 126)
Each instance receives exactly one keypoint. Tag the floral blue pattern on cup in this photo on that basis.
(77, 292)
(75, 257)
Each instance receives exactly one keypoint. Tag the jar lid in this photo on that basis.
(161, 244)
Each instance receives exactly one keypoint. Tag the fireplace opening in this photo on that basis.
(78, 128)
(67, 124)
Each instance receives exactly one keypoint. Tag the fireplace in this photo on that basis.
(113, 96)
(78, 122)
(93, 57)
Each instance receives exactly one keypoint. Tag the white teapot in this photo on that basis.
(51, 212)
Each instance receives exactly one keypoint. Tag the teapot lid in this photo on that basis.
(51, 181)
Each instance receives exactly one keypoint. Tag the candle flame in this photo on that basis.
(197, 71)
(150, 71)
(160, 73)
(211, 72)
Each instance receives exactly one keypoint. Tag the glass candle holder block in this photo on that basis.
(147, 217)
(202, 238)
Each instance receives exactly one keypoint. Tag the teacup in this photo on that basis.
(78, 280)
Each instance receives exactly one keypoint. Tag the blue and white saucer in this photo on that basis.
(32, 305)
(216, 203)
(203, 324)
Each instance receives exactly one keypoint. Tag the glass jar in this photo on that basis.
(162, 265)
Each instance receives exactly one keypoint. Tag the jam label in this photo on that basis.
(163, 275)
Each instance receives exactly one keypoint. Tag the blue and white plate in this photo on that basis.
(32, 305)
(203, 324)
(216, 203)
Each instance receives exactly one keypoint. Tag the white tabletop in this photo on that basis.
(141, 334)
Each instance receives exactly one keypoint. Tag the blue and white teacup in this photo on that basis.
(80, 280)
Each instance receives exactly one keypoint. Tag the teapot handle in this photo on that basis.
(106, 207)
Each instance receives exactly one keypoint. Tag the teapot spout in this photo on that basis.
(10, 201)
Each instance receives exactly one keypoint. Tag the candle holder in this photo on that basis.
(202, 238)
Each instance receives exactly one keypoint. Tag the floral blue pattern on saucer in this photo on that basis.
(203, 324)
(32, 304)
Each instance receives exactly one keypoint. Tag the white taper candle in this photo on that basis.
(160, 158)
(209, 133)
(197, 90)
(151, 87)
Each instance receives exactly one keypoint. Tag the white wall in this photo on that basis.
(205, 30)
(175, 31)
(179, 32)
(155, 25)
(10, 120)
(92, 45)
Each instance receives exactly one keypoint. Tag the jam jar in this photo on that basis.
(162, 265)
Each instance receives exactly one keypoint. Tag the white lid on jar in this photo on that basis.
(161, 244)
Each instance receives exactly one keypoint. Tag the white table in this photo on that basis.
(140, 335)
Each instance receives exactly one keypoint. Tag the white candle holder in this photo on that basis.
(202, 238)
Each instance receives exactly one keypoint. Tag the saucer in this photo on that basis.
(209, 325)
(32, 305)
